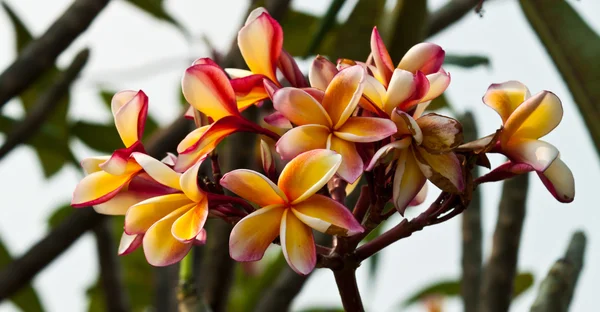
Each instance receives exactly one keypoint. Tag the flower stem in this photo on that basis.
(188, 299)
(348, 288)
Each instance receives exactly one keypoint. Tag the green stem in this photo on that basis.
(186, 267)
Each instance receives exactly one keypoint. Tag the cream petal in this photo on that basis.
(253, 234)
(536, 153)
(158, 170)
(297, 244)
(366, 129)
(408, 180)
(327, 216)
(321, 72)
(425, 57)
(559, 180)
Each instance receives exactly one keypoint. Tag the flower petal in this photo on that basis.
(253, 187)
(421, 196)
(382, 58)
(302, 139)
(426, 57)
(253, 234)
(384, 150)
(260, 42)
(129, 109)
(406, 125)
(249, 90)
(374, 92)
(352, 164)
(141, 216)
(277, 119)
(160, 247)
(207, 89)
(366, 129)
(129, 243)
(99, 187)
(118, 205)
(158, 170)
(505, 97)
(536, 153)
(534, 118)
(343, 93)
(440, 133)
(405, 90)
(92, 164)
(443, 170)
(297, 244)
(321, 72)
(307, 173)
(438, 83)
(408, 180)
(189, 183)
(559, 180)
(327, 216)
(290, 70)
(300, 108)
(120, 161)
(190, 224)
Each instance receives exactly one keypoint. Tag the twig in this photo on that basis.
(345, 280)
(471, 234)
(44, 105)
(449, 14)
(111, 275)
(556, 290)
(362, 204)
(499, 273)
(41, 53)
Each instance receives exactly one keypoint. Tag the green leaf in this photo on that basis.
(574, 47)
(52, 158)
(299, 28)
(101, 137)
(25, 299)
(523, 281)
(59, 214)
(466, 61)
(156, 9)
(325, 25)
(408, 28)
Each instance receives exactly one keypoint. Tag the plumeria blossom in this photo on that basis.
(326, 122)
(423, 150)
(289, 210)
(261, 45)
(169, 223)
(208, 89)
(106, 176)
(525, 119)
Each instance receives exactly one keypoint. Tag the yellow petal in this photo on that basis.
(343, 94)
(253, 187)
(505, 97)
(189, 225)
(327, 216)
(129, 109)
(307, 173)
(253, 234)
(99, 187)
(260, 42)
(300, 108)
(534, 118)
(366, 129)
(158, 170)
(301, 139)
(119, 204)
(160, 247)
(408, 180)
(189, 183)
(141, 216)
(297, 244)
(207, 89)
(92, 164)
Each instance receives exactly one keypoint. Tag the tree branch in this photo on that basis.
(556, 290)
(45, 105)
(471, 233)
(449, 14)
(111, 278)
(499, 274)
(41, 53)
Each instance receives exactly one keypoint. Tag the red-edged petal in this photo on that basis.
(120, 203)
(536, 153)
(207, 88)
(277, 119)
(559, 180)
(382, 58)
(252, 235)
(327, 216)
(321, 72)
(297, 244)
(352, 165)
(290, 70)
(405, 90)
(249, 90)
(129, 243)
(100, 186)
(438, 83)
(130, 109)
(425, 57)
(260, 42)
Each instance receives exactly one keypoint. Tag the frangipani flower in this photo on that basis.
(261, 45)
(525, 119)
(206, 87)
(289, 210)
(328, 123)
(107, 175)
(423, 150)
(169, 223)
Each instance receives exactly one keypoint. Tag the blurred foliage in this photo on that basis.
(408, 28)
(323, 309)
(451, 288)
(25, 299)
(353, 38)
(56, 155)
(575, 48)
(156, 8)
(299, 28)
(466, 61)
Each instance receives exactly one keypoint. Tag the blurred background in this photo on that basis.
(148, 44)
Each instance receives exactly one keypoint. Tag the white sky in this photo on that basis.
(123, 38)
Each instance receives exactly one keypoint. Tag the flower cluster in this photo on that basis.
(348, 121)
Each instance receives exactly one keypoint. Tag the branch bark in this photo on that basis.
(449, 14)
(499, 274)
(471, 233)
(111, 276)
(45, 105)
(556, 290)
(41, 53)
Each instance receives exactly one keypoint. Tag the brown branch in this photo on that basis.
(165, 288)
(471, 233)
(499, 273)
(44, 105)
(449, 14)
(345, 280)
(41, 53)
(111, 278)
(556, 290)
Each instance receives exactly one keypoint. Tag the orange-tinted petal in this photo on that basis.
(297, 244)
(327, 216)
(307, 173)
(252, 235)
(290, 70)
(100, 186)
(253, 187)
(366, 129)
(352, 165)
(249, 90)
(534, 118)
(300, 108)
(343, 94)
(408, 180)
(207, 88)
(321, 72)
(142, 215)
(505, 97)
(382, 58)
(260, 42)
(129, 109)
(301, 139)
(160, 247)
(189, 225)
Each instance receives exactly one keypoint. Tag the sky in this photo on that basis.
(131, 50)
